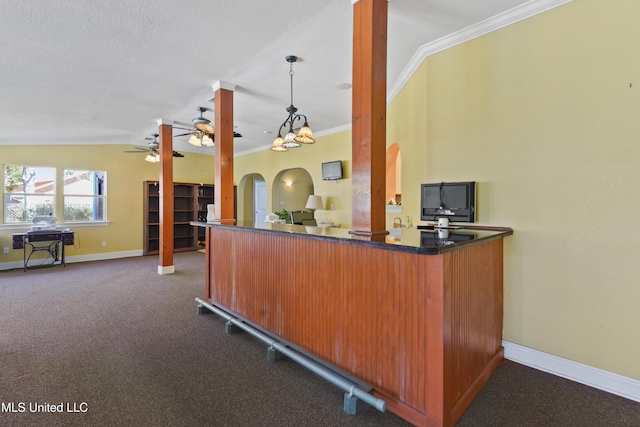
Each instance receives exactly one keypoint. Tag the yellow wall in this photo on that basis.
(269, 164)
(293, 197)
(544, 115)
(407, 119)
(125, 175)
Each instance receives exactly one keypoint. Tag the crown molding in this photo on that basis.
(511, 16)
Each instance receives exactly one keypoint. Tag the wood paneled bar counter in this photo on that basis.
(418, 317)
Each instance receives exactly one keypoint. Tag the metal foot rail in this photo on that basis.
(329, 375)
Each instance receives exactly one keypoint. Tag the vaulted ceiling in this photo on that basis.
(103, 72)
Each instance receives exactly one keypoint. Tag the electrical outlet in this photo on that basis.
(104, 244)
(6, 251)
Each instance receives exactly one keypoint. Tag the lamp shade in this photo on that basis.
(277, 145)
(314, 202)
(290, 140)
(305, 135)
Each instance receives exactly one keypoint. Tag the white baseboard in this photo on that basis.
(10, 265)
(103, 256)
(574, 371)
(79, 258)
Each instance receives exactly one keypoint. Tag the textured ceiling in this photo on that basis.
(103, 72)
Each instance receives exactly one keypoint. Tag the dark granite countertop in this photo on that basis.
(427, 241)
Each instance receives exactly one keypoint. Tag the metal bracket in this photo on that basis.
(274, 355)
(201, 309)
(230, 328)
(353, 405)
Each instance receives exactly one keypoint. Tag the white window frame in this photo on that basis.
(8, 195)
(98, 197)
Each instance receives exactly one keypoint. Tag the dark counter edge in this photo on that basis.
(497, 233)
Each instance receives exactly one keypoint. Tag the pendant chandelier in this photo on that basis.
(291, 139)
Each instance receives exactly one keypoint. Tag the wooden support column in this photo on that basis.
(369, 111)
(224, 195)
(166, 198)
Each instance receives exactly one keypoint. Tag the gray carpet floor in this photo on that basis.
(113, 343)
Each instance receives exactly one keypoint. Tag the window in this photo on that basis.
(84, 195)
(28, 191)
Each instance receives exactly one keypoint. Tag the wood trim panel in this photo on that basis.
(424, 330)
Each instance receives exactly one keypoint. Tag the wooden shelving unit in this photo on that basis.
(190, 204)
(204, 197)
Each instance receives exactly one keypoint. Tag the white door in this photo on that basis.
(259, 200)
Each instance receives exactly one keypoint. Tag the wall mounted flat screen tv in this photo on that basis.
(453, 200)
(332, 170)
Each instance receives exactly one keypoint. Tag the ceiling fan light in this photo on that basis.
(305, 135)
(150, 158)
(205, 127)
(206, 140)
(290, 140)
(194, 140)
(277, 145)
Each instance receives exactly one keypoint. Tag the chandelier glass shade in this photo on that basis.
(291, 139)
(278, 145)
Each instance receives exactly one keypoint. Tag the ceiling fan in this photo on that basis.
(203, 132)
(153, 155)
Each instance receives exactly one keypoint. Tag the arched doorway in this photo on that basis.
(291, 189)
(252, 198)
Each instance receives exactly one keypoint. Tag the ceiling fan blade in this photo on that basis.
(137, 150)
(213, 136)
(176, 154)
(183, 134)
(181, 125)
